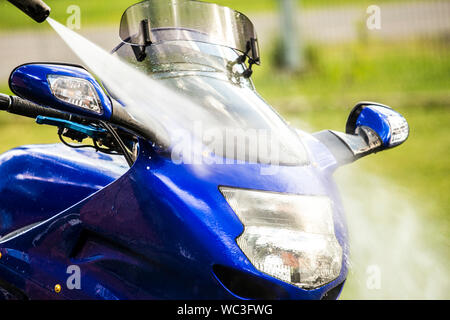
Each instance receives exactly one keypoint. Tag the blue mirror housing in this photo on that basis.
(371, 127)
(389, 126)
(64, 87)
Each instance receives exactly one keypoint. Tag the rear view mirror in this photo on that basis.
(376, 120)
(371, 127)
(64, 87)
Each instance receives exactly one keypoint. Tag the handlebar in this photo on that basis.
(73, 123)
(22, 107)
(120, 117)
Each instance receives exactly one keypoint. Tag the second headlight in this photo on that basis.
(289, 237)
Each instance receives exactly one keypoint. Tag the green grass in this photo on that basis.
(270, 5)
(109, 12)
(16, 130)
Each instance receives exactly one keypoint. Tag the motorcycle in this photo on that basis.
(123, 218)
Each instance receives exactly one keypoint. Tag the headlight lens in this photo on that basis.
(289, 237)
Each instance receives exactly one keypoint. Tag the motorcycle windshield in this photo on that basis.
(231, 120)
(157, 21)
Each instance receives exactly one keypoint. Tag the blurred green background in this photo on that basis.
(409, 71)
(101, 12)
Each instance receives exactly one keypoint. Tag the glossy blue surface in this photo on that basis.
(40, 181)
(158, 231)
(29, 81)
(377, 118)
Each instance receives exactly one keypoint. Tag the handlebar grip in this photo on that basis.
(26, 108)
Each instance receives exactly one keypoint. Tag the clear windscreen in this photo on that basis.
(187, 20)
(192, 49)
(226, 116)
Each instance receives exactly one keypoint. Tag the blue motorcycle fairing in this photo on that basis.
(30, 81)
(42, 180)
(160, 231)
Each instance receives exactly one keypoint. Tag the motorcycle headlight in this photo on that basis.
(289, 237)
